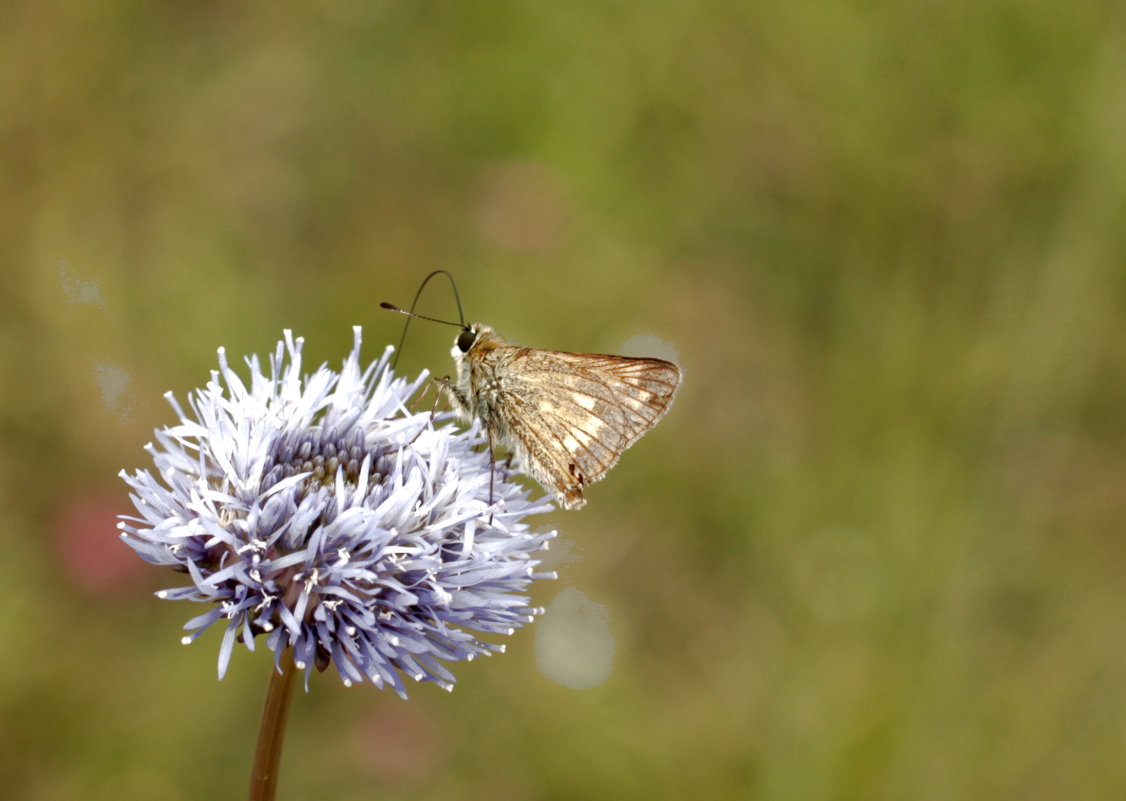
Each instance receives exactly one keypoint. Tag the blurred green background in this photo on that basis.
(874, 552)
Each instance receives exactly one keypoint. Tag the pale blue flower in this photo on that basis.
(319, 512)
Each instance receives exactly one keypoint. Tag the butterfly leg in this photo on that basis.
(492, 471)
(441, 383)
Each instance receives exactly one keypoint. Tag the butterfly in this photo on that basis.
(567, 417)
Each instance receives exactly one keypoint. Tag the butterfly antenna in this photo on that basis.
(410, 314)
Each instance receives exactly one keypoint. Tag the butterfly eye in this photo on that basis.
(465, 340)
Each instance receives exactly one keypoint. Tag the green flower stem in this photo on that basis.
(264, 777)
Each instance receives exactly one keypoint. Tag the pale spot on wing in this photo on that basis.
(571, 444)
(636, 400)
(586, 401)
(547, 407)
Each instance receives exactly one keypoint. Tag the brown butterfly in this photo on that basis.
(566, 416)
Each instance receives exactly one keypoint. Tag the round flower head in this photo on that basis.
(320, 512)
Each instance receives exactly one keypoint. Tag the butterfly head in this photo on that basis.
(475, 337)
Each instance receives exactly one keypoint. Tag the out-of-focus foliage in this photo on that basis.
(876, 551)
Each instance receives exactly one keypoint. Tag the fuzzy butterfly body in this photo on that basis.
(566, 416)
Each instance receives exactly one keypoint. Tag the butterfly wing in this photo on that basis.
(569, 416)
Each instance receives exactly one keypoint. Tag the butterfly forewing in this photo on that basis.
(569, 416)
